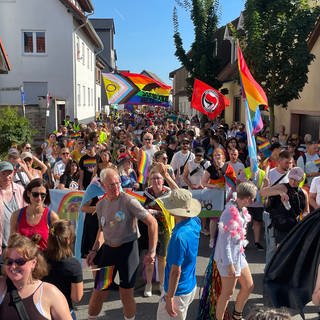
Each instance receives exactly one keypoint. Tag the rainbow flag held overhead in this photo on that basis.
(136, 195)
(252, 92)
(143, 167)
(254, 97)
(103, 278)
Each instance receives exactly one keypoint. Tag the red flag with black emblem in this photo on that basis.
(208, 100)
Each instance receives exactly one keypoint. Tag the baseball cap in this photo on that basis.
(296, 173)
(25, 155)
(14, 153)
(5, 166)
(187, 122)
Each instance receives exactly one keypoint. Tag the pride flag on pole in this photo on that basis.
(252, 92)
(254, 97)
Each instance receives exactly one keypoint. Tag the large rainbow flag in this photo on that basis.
(135, 89)
(254, 97)
(252, 92)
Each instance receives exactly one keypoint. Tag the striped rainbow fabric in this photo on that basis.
(252, 92)
(143, 167)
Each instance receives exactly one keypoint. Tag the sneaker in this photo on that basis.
(258, 246)
(148, 290)
(211, 243)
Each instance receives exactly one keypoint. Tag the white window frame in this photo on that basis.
(34, 43)
(78, 95)
(83, 53)
(84, 95)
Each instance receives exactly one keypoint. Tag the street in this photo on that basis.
(147, 307)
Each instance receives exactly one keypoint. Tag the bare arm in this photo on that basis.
(186, 176)
(152, 225)
(276, 190)
(312, 199)
(88, 208)
(55, 301)
(81, 173)
(13, 222)
(43, 167)
(96, 246)
(54, 217)
(174, 277)
(76, 291)
(316, 291)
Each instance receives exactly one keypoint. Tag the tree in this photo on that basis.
(14, 129)
(276, 48)
(200, 61)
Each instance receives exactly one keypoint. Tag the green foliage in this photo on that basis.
(200, 61)
(276, 48)
(13, 129)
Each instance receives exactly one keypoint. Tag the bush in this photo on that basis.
(14, 129)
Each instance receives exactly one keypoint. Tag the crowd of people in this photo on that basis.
(104, 160)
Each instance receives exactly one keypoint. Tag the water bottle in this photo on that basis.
(286, 204)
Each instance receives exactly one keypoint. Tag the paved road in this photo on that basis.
(147, 307)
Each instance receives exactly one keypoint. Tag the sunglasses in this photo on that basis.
(199, 155)
(19, 262)
(147, 139)
(28, 148)
(65, 153)
(37, 194)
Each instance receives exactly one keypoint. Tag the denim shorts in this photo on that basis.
(241, 264)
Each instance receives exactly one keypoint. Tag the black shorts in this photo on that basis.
(125, 259)
(256, 213)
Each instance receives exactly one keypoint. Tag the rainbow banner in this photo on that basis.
(66, 203)
(136, 195)
(252, 92)
(143, 167)
(103, 278)
(231, 178)
(135, 89)
(317, 162)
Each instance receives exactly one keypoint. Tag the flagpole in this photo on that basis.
(22, 101)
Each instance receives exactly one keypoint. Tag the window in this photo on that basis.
(98, 76)
(78, 95)
(83, 57)
(78, 53)
(92, 97)
(34, 42)
(88, 58)
(215, 47)
(89, 97)
(84, 95)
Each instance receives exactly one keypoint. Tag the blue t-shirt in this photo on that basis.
(183, 251)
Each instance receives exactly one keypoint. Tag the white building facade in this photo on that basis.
(52, 49)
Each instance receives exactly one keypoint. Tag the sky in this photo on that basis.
(144, 32)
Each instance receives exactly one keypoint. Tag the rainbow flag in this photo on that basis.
(143, 166)
(264, 145)
(261, 139)
(230, 178)
(252, 92)
(103, 278)
(254, 97)
(317, 162)
(138, 196)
